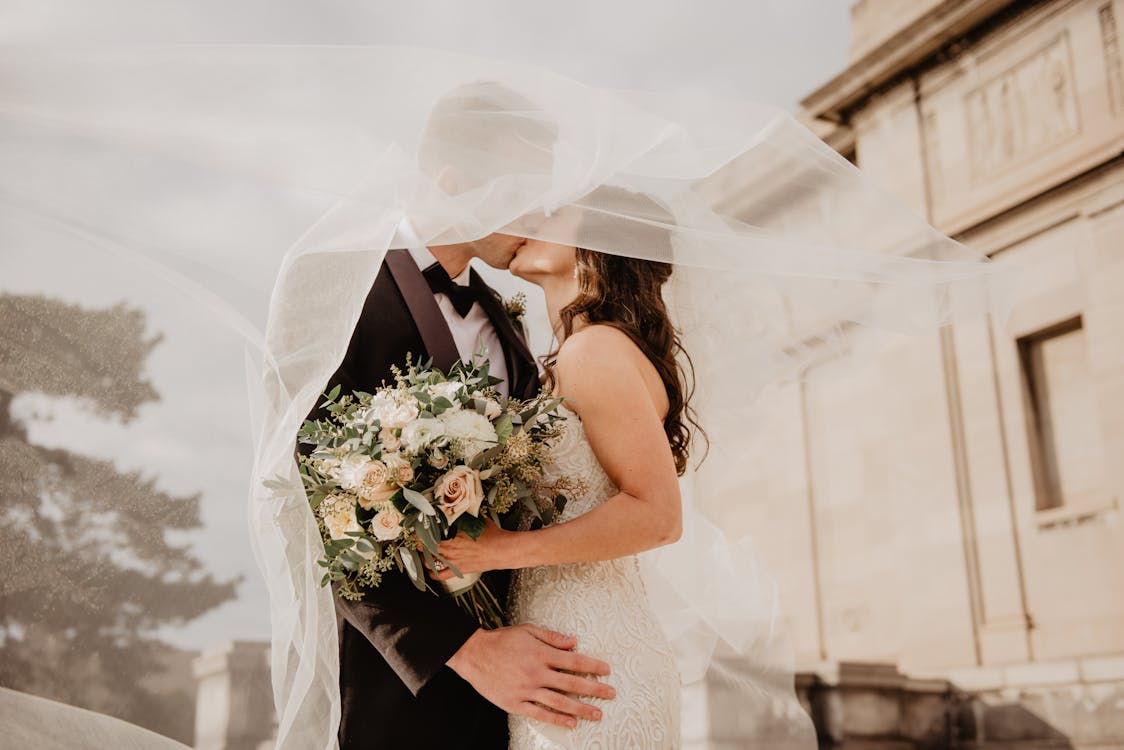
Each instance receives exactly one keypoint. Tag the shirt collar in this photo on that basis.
(422, 255)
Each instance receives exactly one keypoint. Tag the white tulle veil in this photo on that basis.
(267, 182)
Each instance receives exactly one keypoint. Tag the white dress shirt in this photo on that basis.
(473, 329)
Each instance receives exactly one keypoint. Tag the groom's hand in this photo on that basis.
(525, 669)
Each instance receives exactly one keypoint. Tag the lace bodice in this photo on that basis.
(605, 606)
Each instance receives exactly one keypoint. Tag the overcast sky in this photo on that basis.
(773, 50)
(776, 50)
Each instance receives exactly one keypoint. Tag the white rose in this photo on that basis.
(391, 411)
(473, 429)
(351, 471)
(459, 492)
(386, 525)
(421, 432)
(451, 391)
(340, 518)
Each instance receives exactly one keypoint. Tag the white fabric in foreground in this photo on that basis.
(28, 721)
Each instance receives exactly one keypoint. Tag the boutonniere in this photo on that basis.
(515, 307)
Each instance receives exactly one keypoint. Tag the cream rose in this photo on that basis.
(492, 409)
(386, 525)
(458, 492)
(340, 518)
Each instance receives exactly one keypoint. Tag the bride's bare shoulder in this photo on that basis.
(595, 344)
(599, 356)
(602, 365)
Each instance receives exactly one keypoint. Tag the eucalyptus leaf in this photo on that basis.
(427, 536)
(471, 525)
(503, 428)
(531, 505)
(419, 501)
(413, 566)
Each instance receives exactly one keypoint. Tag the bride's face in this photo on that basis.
(539, 261)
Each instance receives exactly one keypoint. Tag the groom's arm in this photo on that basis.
(520, 669)
(416, 632)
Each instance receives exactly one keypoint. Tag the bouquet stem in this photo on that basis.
(474, 597)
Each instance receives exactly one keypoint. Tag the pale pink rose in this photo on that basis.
(388, 439)
(438, 460)
(459, 492)
(386, 525)
(400, 470)
(377, 486)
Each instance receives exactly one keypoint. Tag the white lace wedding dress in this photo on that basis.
(605, 606)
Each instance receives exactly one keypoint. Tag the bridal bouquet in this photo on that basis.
(394, 472)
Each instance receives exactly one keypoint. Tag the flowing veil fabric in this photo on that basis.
(267, 182)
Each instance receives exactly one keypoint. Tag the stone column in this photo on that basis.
(234, 703)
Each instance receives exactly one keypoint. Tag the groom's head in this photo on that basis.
(487, 146)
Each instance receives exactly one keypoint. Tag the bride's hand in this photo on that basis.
(490, 551)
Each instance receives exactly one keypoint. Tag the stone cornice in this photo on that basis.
(908, 48)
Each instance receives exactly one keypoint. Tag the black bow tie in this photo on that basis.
(463, 297)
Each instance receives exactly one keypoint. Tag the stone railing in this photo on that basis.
(872, 706)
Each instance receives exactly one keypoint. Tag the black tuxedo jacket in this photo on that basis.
(396, 690)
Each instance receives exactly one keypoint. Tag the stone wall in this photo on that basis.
(963, 491)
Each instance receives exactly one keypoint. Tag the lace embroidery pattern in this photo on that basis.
(605, 606)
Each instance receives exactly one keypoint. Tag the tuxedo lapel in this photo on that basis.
(423, 309)
(521, 368)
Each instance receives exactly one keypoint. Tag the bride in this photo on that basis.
(626, 440)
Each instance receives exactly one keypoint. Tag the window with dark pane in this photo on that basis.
(1062, 416)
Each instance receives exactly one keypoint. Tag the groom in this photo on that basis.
(416, 671)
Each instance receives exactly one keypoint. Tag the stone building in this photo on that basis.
(962, 533)
(955, 559)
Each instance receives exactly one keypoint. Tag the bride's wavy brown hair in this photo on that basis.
(627, 294)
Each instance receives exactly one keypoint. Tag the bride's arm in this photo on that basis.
(599, 372)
